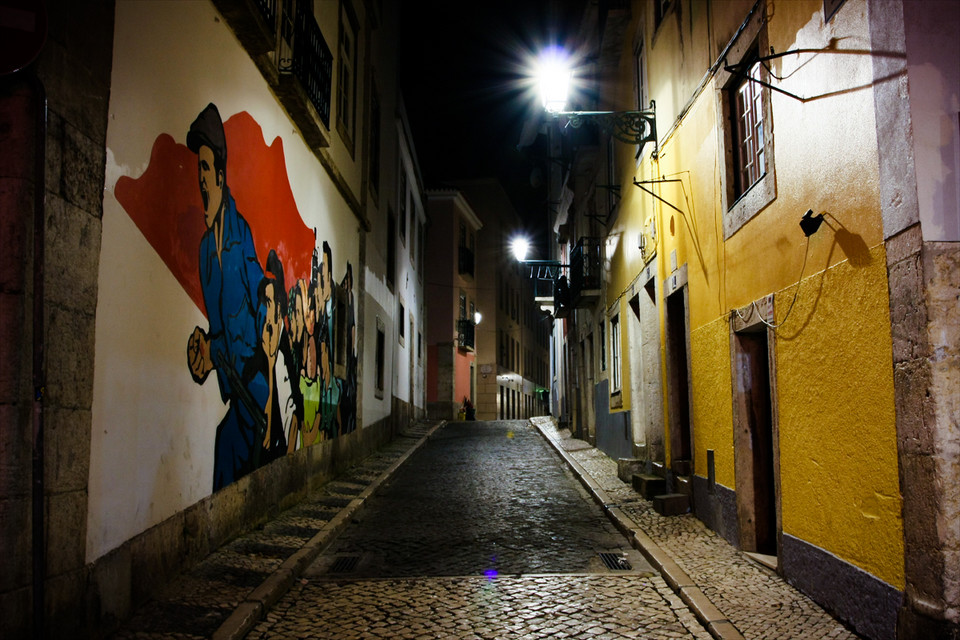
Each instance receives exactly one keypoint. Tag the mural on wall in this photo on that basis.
(280, 337)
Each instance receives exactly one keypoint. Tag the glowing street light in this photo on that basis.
(555, 79)
(554, 75)
(520, 247)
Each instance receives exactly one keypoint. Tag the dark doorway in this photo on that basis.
(755, 468)
(681, 450)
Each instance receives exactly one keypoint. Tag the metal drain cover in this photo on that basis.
(344, 564)
(616, 562)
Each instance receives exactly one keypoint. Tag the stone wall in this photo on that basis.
(73, 72)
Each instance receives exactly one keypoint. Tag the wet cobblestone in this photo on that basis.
(477, 608)
(195, 604)
(758, 602)
(480, 496)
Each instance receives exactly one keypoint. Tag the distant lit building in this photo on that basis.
(452, 303)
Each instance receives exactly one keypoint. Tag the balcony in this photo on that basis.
(466, 334)
(465, 261)
(586, 273)
(285, 42)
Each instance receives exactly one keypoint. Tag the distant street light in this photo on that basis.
(520, 246)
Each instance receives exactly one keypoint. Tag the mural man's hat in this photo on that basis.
(207, 130)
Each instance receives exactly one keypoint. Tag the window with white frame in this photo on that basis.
(745, 108)
(615, 353)
(402, 198)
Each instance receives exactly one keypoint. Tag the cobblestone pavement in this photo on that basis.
(479, 497)
(197, 603)
(757, 601)
(474, 608)
(482, 534)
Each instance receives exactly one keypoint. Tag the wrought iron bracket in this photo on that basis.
(640, 183)
(631, 127)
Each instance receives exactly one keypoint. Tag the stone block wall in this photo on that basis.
(71, 78)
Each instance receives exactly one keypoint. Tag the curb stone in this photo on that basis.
(249, 612)
(706, 612)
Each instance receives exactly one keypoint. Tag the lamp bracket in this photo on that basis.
(641, 183)
(631, 127)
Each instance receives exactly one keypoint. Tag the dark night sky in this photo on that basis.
(462, 71)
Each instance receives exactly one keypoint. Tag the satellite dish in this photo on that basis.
(23, 32)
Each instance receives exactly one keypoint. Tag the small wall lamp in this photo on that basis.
(810, 223)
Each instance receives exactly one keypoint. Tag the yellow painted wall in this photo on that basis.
(712, 409)
(838, 448)
(838, 460)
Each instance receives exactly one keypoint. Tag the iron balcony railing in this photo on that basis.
(312, 60)
(268, 10)
(465, 261)
(466, 330)
(585, 268)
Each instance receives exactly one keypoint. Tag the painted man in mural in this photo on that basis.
(230, 275)
(268, 367)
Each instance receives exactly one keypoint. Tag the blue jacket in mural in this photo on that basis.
(230, 295)
(230, 292)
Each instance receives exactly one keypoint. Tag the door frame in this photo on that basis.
(754, 318)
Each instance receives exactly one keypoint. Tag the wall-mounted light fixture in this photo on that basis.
(810, 223)
(555, 79)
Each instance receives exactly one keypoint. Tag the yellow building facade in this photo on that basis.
(781, 397)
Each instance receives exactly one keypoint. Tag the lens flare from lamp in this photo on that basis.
(553, 71)
(477, 317)
(520, 248)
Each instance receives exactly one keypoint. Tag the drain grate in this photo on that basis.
(615, 562)
(344, 564)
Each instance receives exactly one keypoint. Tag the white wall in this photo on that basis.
(153, 426)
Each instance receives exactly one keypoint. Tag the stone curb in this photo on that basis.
(706, 612)
(249, 612)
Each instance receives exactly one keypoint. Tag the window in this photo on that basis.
(748, 176)
(615, 353)
(463, 305)
(402, 204)
(413, 238)
(391, 248)
(374, 141)
(347, 75)
(640, 73)
(402, 327)
(381, 354)
(747, 131)
(603, 346)
(422, 234)
(419, 346)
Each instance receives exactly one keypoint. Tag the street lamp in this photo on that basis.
(520, 247)
(555, 78)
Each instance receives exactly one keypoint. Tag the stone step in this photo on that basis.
(671, 504)
(649, 486)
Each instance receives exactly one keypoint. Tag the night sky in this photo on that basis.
(464, 77)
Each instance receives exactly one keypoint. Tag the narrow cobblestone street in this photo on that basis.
(480, 530)
(483, 534)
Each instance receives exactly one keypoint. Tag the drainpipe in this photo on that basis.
(39, 375)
